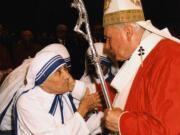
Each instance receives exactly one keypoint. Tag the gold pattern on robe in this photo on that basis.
(137, 2)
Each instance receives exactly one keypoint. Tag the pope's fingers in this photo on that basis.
(108, 126)
(106, 111)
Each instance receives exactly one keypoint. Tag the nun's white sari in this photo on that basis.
(10, 89)
(15, 80)
(39, 113)
(35, 105)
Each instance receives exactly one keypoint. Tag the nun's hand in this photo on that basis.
(89, 102)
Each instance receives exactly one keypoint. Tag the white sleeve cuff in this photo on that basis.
(94, 123)
(78, 90)
(83, 126)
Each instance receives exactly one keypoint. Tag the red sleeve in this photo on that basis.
(161, 115)
(132, 123)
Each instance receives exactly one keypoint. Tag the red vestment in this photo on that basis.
(153, 103)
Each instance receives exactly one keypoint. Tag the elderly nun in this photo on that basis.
(15, 81)
(45, 105)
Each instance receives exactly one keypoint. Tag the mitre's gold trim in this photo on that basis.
(123, 16)
(106, 4)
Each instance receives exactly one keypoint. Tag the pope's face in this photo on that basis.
(117, 43)
(59, 82)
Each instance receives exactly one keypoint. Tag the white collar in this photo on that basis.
(164, 33)
(124, 78)
(128, 71)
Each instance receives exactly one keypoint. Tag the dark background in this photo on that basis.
(44, 15)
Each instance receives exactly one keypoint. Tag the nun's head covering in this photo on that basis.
(60, 49)
(102, 56)
(42, 66)
(15, 80)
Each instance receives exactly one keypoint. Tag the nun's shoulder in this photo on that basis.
(28, 99)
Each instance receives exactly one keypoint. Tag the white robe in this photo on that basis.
(34, 118)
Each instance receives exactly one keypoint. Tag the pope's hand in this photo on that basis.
(111, 118)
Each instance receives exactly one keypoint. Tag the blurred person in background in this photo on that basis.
(25, 47)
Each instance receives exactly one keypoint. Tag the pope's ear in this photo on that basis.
(128, 31)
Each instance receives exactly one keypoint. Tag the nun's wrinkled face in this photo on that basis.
(59, 82)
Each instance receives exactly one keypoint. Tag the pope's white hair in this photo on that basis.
(133, 24)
